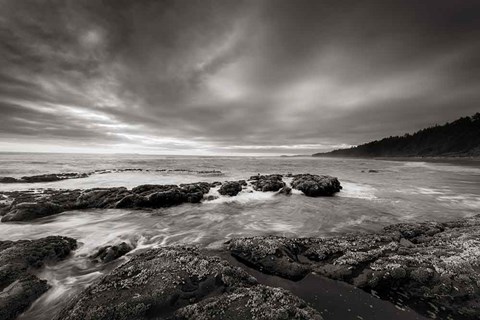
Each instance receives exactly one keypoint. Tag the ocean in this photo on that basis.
(375, 193)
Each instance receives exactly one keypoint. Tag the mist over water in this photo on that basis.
(397, 191)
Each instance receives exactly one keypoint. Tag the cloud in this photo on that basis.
(232, 76)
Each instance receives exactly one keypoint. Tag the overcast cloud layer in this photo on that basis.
(229, 77)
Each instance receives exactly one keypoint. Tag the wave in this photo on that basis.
(469, 200)
(357, 190)
(248, 194)
(442, 167)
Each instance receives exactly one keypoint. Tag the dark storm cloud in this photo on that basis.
(233, 76)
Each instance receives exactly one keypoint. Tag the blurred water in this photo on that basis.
(401, 191)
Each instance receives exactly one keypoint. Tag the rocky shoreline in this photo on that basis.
(430, 267)
(30, 205)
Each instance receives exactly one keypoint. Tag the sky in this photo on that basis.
(221, 77)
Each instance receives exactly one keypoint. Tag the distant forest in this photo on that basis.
(460, 138)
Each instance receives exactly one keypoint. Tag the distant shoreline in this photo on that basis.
(472, 159)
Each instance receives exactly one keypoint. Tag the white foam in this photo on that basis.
(429, 191)
(468, 200)
(245, 196)
(357, 190)
(442, 167)
(340, 226)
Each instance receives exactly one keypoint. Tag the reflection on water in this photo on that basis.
(398, 192)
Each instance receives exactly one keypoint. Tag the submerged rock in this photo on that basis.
(427, 265)
(230, 188)
(110, 253)
(19, 288)
(313, 185)
(182, 283)
(272, 182)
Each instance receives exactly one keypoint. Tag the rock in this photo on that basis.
(51, 177)
(28, 205)
(8, 180)
(110, 253)
(147, 189)
(432, 267)
(131, 201)
(285, 190)
(271, 255)
(166, 198)
(314, 185)
(101, 197)
(372, 171)
(19, 295)
(199, 187)
(272, 182)
(182, 283)
(19, 287)
(4, 209)
(230, 188)
(215, 184)
(406, 243)
(257, 302)
(29, 211)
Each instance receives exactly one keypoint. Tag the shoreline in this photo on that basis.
(438, 159)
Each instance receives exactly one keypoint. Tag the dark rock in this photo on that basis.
(314, 185)
(8, 180)
(256, 302)
(202, 187)
(147, 189)
(215, 184)
(101, 198)
(28, 205)
(110, 253)
(19, 288)
(230, 188)
(166, 198)
(51, 177)
(285, 190)
(31, 210)
(4, 209)
(160, 282)
(272, 182)
(19, 295)
(132, 201)
(271, 255)
(430, 266)
(372, 171)
(182, 283)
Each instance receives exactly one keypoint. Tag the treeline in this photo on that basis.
(460, 138)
